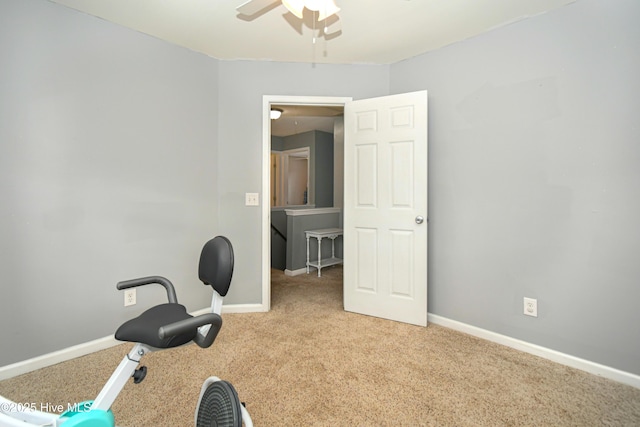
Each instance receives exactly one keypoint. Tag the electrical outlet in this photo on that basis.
(531, 307)
(129, 297)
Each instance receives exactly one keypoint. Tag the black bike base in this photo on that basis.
(219, 406)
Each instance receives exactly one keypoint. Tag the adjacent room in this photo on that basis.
(484, 185)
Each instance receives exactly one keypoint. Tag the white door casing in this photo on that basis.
(385, 241)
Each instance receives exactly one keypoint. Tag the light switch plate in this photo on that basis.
(252, 199)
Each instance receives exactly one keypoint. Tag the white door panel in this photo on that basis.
(385, 249)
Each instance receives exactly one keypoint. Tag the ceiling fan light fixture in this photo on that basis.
(314, 5)
(327, 9)
(294, 6)
(275, 113)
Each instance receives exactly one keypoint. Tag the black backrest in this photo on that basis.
(216, 264)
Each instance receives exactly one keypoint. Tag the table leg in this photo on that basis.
(333, 246)
(307, 254)
(319, 255)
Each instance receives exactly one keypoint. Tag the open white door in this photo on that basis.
(385, 207)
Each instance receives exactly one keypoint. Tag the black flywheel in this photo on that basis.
(219, 406)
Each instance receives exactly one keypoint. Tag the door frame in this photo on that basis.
(267, 101)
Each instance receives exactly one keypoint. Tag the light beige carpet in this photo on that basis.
(309, 363)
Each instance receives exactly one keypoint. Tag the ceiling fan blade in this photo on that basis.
(254, 6)
(332, 25)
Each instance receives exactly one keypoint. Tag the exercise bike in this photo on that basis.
(161, 327)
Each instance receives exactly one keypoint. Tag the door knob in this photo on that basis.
(419, 219)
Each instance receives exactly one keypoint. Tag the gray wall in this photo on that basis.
(107, 172)
(324, 169)
(277, 143)
(242, 85)
(534, 179)
(278, 239)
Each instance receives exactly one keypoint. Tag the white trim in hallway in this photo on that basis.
(312, 211)
(297, 272)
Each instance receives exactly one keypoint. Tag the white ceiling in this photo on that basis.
(286, 126)
(300, 118)
(372, 31)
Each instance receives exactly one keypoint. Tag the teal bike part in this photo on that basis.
(81, 415)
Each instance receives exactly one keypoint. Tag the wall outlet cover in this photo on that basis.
(129, 297)
(531, 307)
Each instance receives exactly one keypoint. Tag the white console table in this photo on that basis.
(330, 233)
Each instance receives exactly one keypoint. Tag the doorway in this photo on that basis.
(281, 101)
(289, 177)
(385, 207)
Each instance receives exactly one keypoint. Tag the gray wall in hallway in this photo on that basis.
(324, 173)
(297, 241)
(534, 178)
(107, 172)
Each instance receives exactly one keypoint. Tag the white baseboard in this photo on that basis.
(297, 272)
(243, 308)
(49, 359)
(56, 357)
(546, 353)
(19, 368)
(233, 308)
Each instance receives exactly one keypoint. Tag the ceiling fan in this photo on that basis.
(323, 11)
